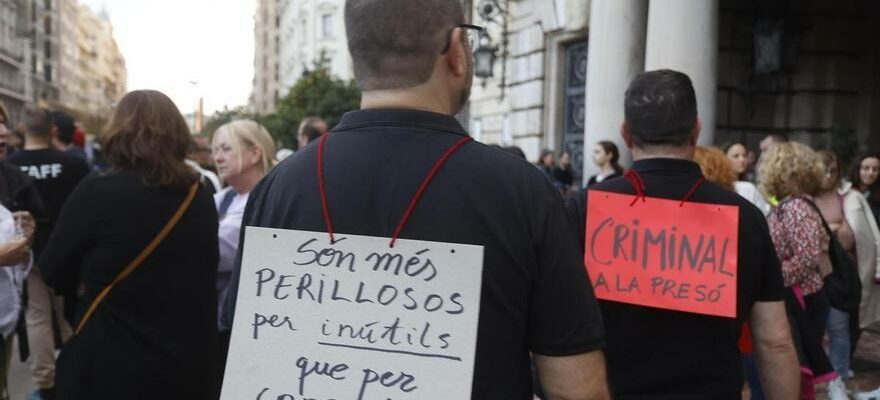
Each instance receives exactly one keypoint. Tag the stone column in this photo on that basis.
(683, 35)
(616, 54)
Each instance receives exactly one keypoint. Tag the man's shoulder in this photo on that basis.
(22, 157)
(8, 167)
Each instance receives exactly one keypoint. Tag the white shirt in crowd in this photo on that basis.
(230, 226)
(205, 174)
(751, 193)
(11, 279)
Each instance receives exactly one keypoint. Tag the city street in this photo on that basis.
(866, 367)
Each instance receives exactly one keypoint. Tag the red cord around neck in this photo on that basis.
(328, 221)
(638, 184)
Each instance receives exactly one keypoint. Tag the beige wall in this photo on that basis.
(266, 62)
(92, 72)
(304, 40)
(522, 104)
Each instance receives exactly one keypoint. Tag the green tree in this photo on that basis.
(223, 117)
(317, 93)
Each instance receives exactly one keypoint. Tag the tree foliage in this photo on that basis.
(317, 93)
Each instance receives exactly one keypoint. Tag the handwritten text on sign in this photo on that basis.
(662, 253)
(353, 320)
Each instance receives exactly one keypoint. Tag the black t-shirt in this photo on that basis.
(656, 354)
(55, 174)
(535, 294)
(17, 192)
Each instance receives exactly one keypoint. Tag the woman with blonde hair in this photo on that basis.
(134, 238)
(791, 172)
(244, 152)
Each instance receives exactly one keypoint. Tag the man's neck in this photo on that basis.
(417, 98)
(679, 153)
(607, 169)
(37, 143)
(246, 181)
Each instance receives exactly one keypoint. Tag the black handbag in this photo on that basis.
(843, 286)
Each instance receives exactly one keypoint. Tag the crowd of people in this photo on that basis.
(130, 262)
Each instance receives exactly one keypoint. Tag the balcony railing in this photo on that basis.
(17, 88)
(13, 50)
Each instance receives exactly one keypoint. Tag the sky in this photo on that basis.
(186, 48)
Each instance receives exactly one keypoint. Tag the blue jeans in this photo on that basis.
(839, 339)
(751, 372)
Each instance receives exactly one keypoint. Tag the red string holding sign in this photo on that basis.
(328, 221)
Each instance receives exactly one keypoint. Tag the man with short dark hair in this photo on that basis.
(771, 139)
(197, 157)
(413, 61)
(63, 134)
(55, 174)
(310, 129)
(668, 341)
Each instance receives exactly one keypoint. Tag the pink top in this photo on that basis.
(831, 205)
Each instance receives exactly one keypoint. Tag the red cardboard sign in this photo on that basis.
(663, 253)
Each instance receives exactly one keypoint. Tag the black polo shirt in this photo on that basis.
(656, 354)
(535, 295)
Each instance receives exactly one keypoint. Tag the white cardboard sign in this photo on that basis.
(353, 320)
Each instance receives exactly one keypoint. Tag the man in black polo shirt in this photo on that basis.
(657, 353)
(413, 61)
(55, 174)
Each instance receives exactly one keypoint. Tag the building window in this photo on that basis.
(327, 25)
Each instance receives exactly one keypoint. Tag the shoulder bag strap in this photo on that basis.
(142, 256)
(822, 217)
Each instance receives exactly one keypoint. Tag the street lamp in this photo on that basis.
(484, 58)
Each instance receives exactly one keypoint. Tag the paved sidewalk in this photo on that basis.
(866, 367)
(866, 364)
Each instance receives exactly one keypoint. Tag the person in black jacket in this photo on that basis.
(154, 335)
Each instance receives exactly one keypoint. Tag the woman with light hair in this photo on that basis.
(792, 173)
(243, 153)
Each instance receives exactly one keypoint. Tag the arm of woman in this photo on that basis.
(845, 236)
(14, 252)
(61, 260)
(805, 233)
(867, 238)
(229, 231)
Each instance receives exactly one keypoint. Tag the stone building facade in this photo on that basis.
(312, 31)
(92, 74)
(267, 72)
(536, 98)
(13, 58)
(806, 70)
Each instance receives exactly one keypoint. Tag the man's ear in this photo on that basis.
(695, 135)
(456, 57)
(627, 137)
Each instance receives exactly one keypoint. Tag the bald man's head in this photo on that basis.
(394, 44)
